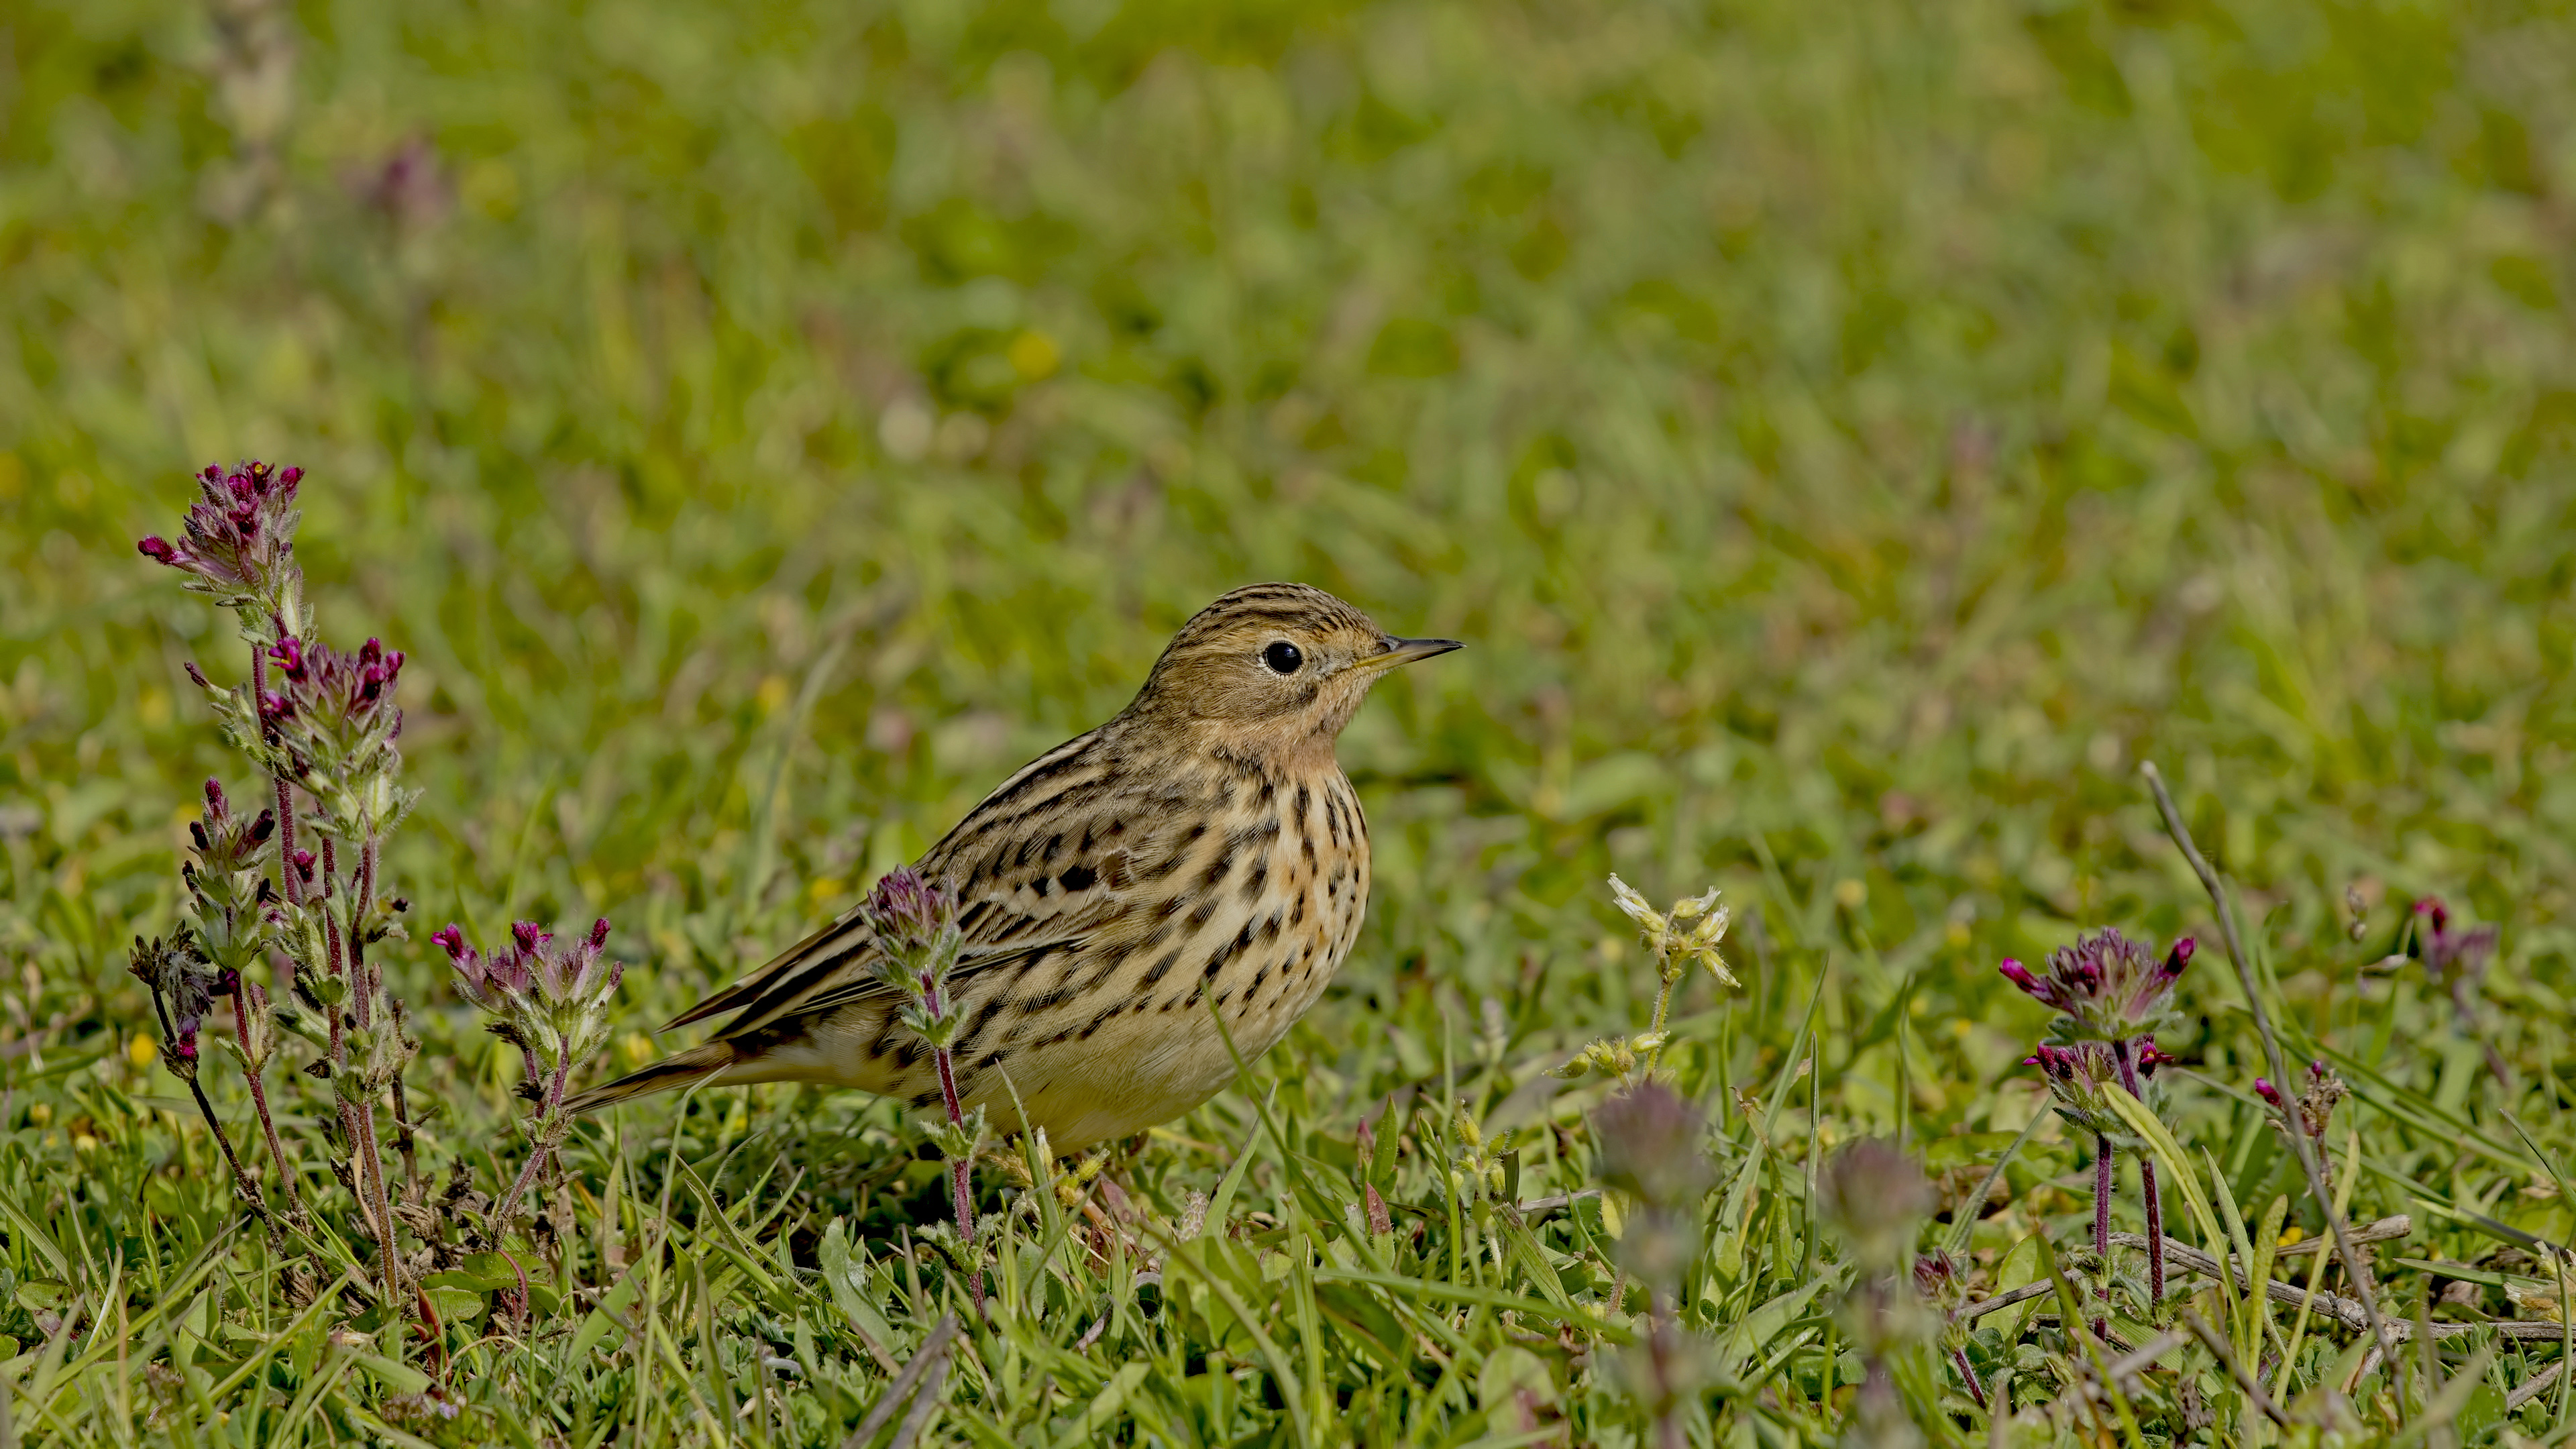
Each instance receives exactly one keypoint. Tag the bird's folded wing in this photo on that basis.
(1003, 923)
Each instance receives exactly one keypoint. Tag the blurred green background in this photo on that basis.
(1852, 437)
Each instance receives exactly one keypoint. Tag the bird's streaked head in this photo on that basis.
(1272, 671)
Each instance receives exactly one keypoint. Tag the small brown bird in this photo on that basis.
(1202, 845)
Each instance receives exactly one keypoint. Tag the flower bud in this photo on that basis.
(2179, 957)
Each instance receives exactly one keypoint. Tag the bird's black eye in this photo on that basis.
(1282, 658)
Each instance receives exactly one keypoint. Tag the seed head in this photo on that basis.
(2313, 1109)
(1876, 1196)
(1650, 1147)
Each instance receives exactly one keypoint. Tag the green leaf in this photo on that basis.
(595, 1327)
(842, 1280)
(1223, 1202)
(454, 1303)
(1757, 1330)
(2169, 1152)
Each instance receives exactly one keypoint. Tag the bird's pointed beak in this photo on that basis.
(1405, 651)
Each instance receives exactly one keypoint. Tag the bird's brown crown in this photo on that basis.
(1270, 672)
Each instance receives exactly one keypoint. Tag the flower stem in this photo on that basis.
(362, 895)
(259, 1102)
(549, 1134)
(961, 1189)
(2125, 1051)
(371, 1181)
(1968, 1375)
(1670, 975)
(2104, 1155)
(403, 1144)
(961, 1182)
(241, 1179)
(223, 1139)
(332, 959)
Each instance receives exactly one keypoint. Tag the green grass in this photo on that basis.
(1852, 439)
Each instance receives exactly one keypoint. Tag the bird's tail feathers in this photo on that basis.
(677, 1070)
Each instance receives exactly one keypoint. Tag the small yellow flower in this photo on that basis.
(83, 1142)
(39, 1113)
(1034, 355)
(143, 1051)
(1690, 932)
(1611, 1056)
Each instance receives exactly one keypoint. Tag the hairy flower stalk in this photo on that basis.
(915, 927)
(2111, 995)
(550, 1000)
(321, 725)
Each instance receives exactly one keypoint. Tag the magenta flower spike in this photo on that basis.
(2105, 987)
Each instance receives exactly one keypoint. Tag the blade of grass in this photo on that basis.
(1964, 1230)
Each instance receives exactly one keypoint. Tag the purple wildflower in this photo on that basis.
(905, 906)
(236, 542)
(2105, 987)
(2456, 960)
(550, 997)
